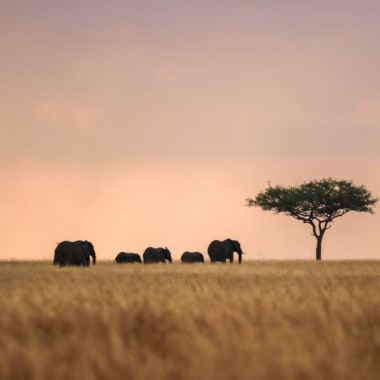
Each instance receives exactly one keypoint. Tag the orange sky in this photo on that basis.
(144, 123)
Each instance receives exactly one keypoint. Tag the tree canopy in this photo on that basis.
(317, 203)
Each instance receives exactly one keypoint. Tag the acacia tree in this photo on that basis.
(317, 203)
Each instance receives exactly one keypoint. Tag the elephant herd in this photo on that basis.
(78, 253)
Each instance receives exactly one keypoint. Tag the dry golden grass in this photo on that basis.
(261, 320)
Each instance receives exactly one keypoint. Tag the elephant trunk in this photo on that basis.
(240, 257)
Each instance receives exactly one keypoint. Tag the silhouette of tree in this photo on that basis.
(317, 203)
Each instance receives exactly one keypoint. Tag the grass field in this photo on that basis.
(258, 320)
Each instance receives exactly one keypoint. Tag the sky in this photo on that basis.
(148, 123)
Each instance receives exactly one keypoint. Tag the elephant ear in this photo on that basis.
(236, 246)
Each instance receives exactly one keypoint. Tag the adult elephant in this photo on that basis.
(192, 257)
(74, 253)
(157, 255)
(125, 258)
(224, 250)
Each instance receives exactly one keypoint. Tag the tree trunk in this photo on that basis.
(319, 248)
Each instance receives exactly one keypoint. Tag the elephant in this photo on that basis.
(74, 253)
(224, 250)
(157, 255)
(192, 257)
(125, 258)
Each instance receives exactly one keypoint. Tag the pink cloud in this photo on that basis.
(60, 112)
(367, 110)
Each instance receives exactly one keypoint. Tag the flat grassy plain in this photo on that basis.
(258, 320)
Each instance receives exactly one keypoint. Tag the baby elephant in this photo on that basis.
(126, 258)
(157, 255)
(192, 257)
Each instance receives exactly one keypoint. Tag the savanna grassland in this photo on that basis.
(258, 320)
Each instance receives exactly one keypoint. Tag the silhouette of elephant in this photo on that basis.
(74, 253)
(125, 258)
(192, 257)
(156, 255)
(224, 250)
